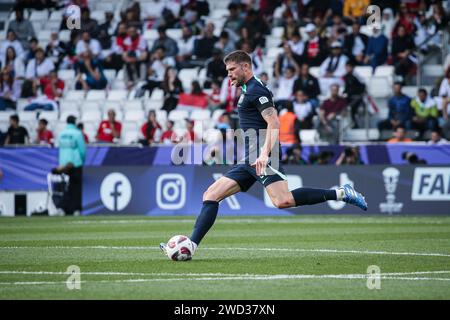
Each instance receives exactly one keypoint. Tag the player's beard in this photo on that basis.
(240, 81)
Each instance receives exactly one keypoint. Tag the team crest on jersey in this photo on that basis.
(263, 100)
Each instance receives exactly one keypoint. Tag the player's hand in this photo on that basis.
(261, 164)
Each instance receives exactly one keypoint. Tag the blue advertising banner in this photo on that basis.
(178, 190)
(26, 168)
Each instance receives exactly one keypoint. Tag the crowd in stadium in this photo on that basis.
(325, 35)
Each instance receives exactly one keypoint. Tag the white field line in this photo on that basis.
(363, 220)
(243, 277)
(425, 254)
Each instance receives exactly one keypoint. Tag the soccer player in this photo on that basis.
(257, 113)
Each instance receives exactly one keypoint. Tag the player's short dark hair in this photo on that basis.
(44, 121)
(422, 90)
(238, 56)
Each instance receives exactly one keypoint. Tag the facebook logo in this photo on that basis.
(115, 191)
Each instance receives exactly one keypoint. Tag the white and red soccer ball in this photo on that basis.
(179, 248)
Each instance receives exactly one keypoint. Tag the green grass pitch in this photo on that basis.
(298, 257)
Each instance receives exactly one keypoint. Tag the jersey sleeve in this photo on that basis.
(263, 100)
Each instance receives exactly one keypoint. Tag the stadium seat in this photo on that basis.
(378, 87)
(216, 114)
(115, 105)
(64, 114)
(64, 35)
(22, 103)
(355, 135)
(157, 95)
(273, 52)
(39, 15)
(75, 95)
(132, 104)
(50, 116)
(177, 115)
(130, 136)
(53, 26)
(385, 71)
(91, 116)
(315, 71)
(110, 75)
(200, 115)
(98, 15)
(96, 95)
(151, 35)
(161, 116)
(309, 136)
(58, 128)
(27, 115)
(44, 36)
(119, 115)
(433, 70)
(272, 42)
(152, 104)
(66, 75)
(134, 115)
(65, 105)
(219, 14)
(56, 15)
(117, 95)
(410, 91)
(364, 72)
(175, 34)
(4, 115)
(187, 75)
(277, 32)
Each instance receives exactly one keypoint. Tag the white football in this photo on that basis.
(179, 248)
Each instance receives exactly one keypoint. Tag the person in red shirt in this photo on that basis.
(190, 136)
(52, 87)
(330, 109)
(80, 126)
(151, 129)
(109, 130)
(44, 136)
(169, 136)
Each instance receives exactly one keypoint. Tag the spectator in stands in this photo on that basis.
(22, 28)
(444, 102)
(436, 137)
(329, 112)
(53, 88)
(72, 154)
(387, 22)
(354, 91)
(190, 136)
(349, 156)
(399, 135)
(56, 50)
(234, 21)
(11, 41)
(9, 90)
(88, 43)
(225, 44)
(106, 30)
(332, 68)
(40, 66)
(290, 26)
(80, 127)
(172, 88)
(377, 49)
(214, 102)
(355, 44)
(132, 18)
(303, 109)
(109, 130)
(285, 87)
(215, 68)
(256, 56)
(425, 112)
(155, 73)
(13, 63)
(114, 60)
(289, 126)
(256, 27)
(204, 45)
(400, 112)
(196, 98)
(402, 49)
(286, 59)
(294, 156)
(354, 10)
(151, 130)
(186, 48)
(16, 134)
(308, 84)
(87, 24)
(169, 136)
(405, 19)
(315, 48)
(297, 44)
(161, 13)
(135, 56)
(31, 52)
(337, 25)
(170, 45)
(89, 73)
(44, 135)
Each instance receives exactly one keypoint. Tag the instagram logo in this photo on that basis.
(171, 191)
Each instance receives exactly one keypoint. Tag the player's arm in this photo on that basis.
(273, 126)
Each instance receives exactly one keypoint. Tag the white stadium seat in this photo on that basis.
(200, 115)
(75, 95)
(177, 115)
(378, 87)
(157, 95)
(309, 136)
(151, 34)
(175, 34)
(64, 114)
(50, 116)
(134, 115)
(132, 104)
(66, 75)
(187, 75)
(89, 105)
(96, 95)
(27, 115)
(91, 116)
(117, 95)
